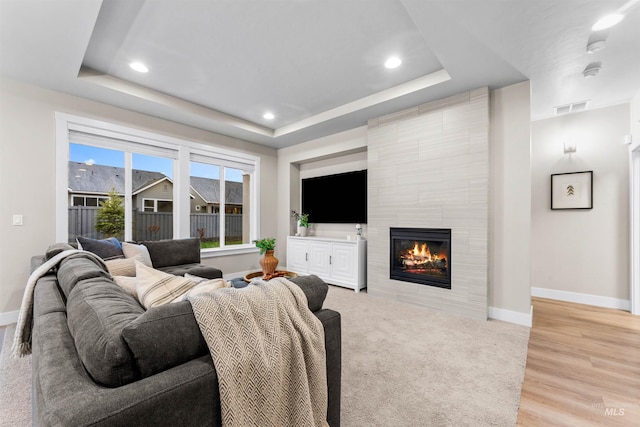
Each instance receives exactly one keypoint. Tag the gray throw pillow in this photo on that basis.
(314, 288)
(173, 251)
(164, 337)
(106, 249)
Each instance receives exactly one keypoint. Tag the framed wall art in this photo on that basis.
(572, 190)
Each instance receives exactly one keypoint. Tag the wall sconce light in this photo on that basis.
(570, 147)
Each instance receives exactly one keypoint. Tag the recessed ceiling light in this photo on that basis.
(139, 67)
(268, 116)
(607, 21)
(393, 62)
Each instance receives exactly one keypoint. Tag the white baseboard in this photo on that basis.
(516, 317)
(8, 318)
(607, 302)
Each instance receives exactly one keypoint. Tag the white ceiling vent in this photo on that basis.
(570, 108)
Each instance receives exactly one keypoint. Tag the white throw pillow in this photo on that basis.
(131, 250)
(204, 287)
(155, 287)
(123, 267)
(128, 284)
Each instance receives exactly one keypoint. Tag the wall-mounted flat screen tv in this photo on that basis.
(333, 199)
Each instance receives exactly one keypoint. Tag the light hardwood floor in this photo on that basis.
(583, 367)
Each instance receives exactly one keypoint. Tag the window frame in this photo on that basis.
(155, 203)
(84, 199)
(185, 150)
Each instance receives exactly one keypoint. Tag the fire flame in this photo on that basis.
(422, 257)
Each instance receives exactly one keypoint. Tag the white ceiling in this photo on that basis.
(317, 65)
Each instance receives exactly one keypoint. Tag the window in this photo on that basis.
(160, 181)
(86, 201)
(155, 205)
(219, 205)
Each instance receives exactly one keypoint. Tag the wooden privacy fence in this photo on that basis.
(155, 225)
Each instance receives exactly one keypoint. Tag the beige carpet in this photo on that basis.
(15, 385)
(402, 365)
(405, 365)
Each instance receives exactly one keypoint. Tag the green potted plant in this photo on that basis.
(302, 221)
(268, 262)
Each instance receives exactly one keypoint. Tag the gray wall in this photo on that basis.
(583, 251)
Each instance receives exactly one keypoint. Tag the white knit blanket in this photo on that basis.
(268, 350)
(22, 338)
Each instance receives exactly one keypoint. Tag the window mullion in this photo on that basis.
(223, 234)
(181, 191)
(128, 196)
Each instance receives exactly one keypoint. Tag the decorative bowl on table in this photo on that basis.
(278, 273)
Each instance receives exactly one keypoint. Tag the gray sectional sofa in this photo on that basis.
(101, 359)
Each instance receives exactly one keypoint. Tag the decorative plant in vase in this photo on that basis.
(268, 262)
(302, 221)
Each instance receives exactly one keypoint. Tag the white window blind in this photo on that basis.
(219, 159)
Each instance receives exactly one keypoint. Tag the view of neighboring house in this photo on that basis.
(152, 191)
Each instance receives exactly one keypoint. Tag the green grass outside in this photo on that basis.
(209, 245)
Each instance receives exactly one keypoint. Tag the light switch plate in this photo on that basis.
(17, 220)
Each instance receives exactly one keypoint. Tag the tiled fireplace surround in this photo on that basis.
(428, 167)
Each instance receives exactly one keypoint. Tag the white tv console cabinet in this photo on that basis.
(336, 261)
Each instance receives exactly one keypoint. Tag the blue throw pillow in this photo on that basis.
(107, 249)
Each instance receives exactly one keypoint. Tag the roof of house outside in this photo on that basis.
(100, 179)
(209, 189)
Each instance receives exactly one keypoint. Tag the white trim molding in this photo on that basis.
(129, 140)
(516, 317)
(634, 161)
(8, 318)
(599, 301)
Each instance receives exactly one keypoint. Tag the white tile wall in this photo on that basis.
(428, 166)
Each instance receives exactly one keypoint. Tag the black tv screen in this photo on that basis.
(340, 198)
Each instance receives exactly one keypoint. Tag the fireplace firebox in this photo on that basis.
(421, 255)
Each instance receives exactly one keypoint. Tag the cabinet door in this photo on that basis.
(297, 256)
(319, 258)
(344, 262)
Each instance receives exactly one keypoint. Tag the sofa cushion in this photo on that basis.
(56, 248)
(106, 248)
(132, 250)
(173, 252)
(155, 287)
(195, 269)
(123, 267)
(76, 268)
(314, 288)
(50, 299)
(97, 312)
(164, 337)
(206, 287)
(128, 284)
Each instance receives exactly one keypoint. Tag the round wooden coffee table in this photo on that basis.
(284, 273)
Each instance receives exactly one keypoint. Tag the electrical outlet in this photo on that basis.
(17, 220)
